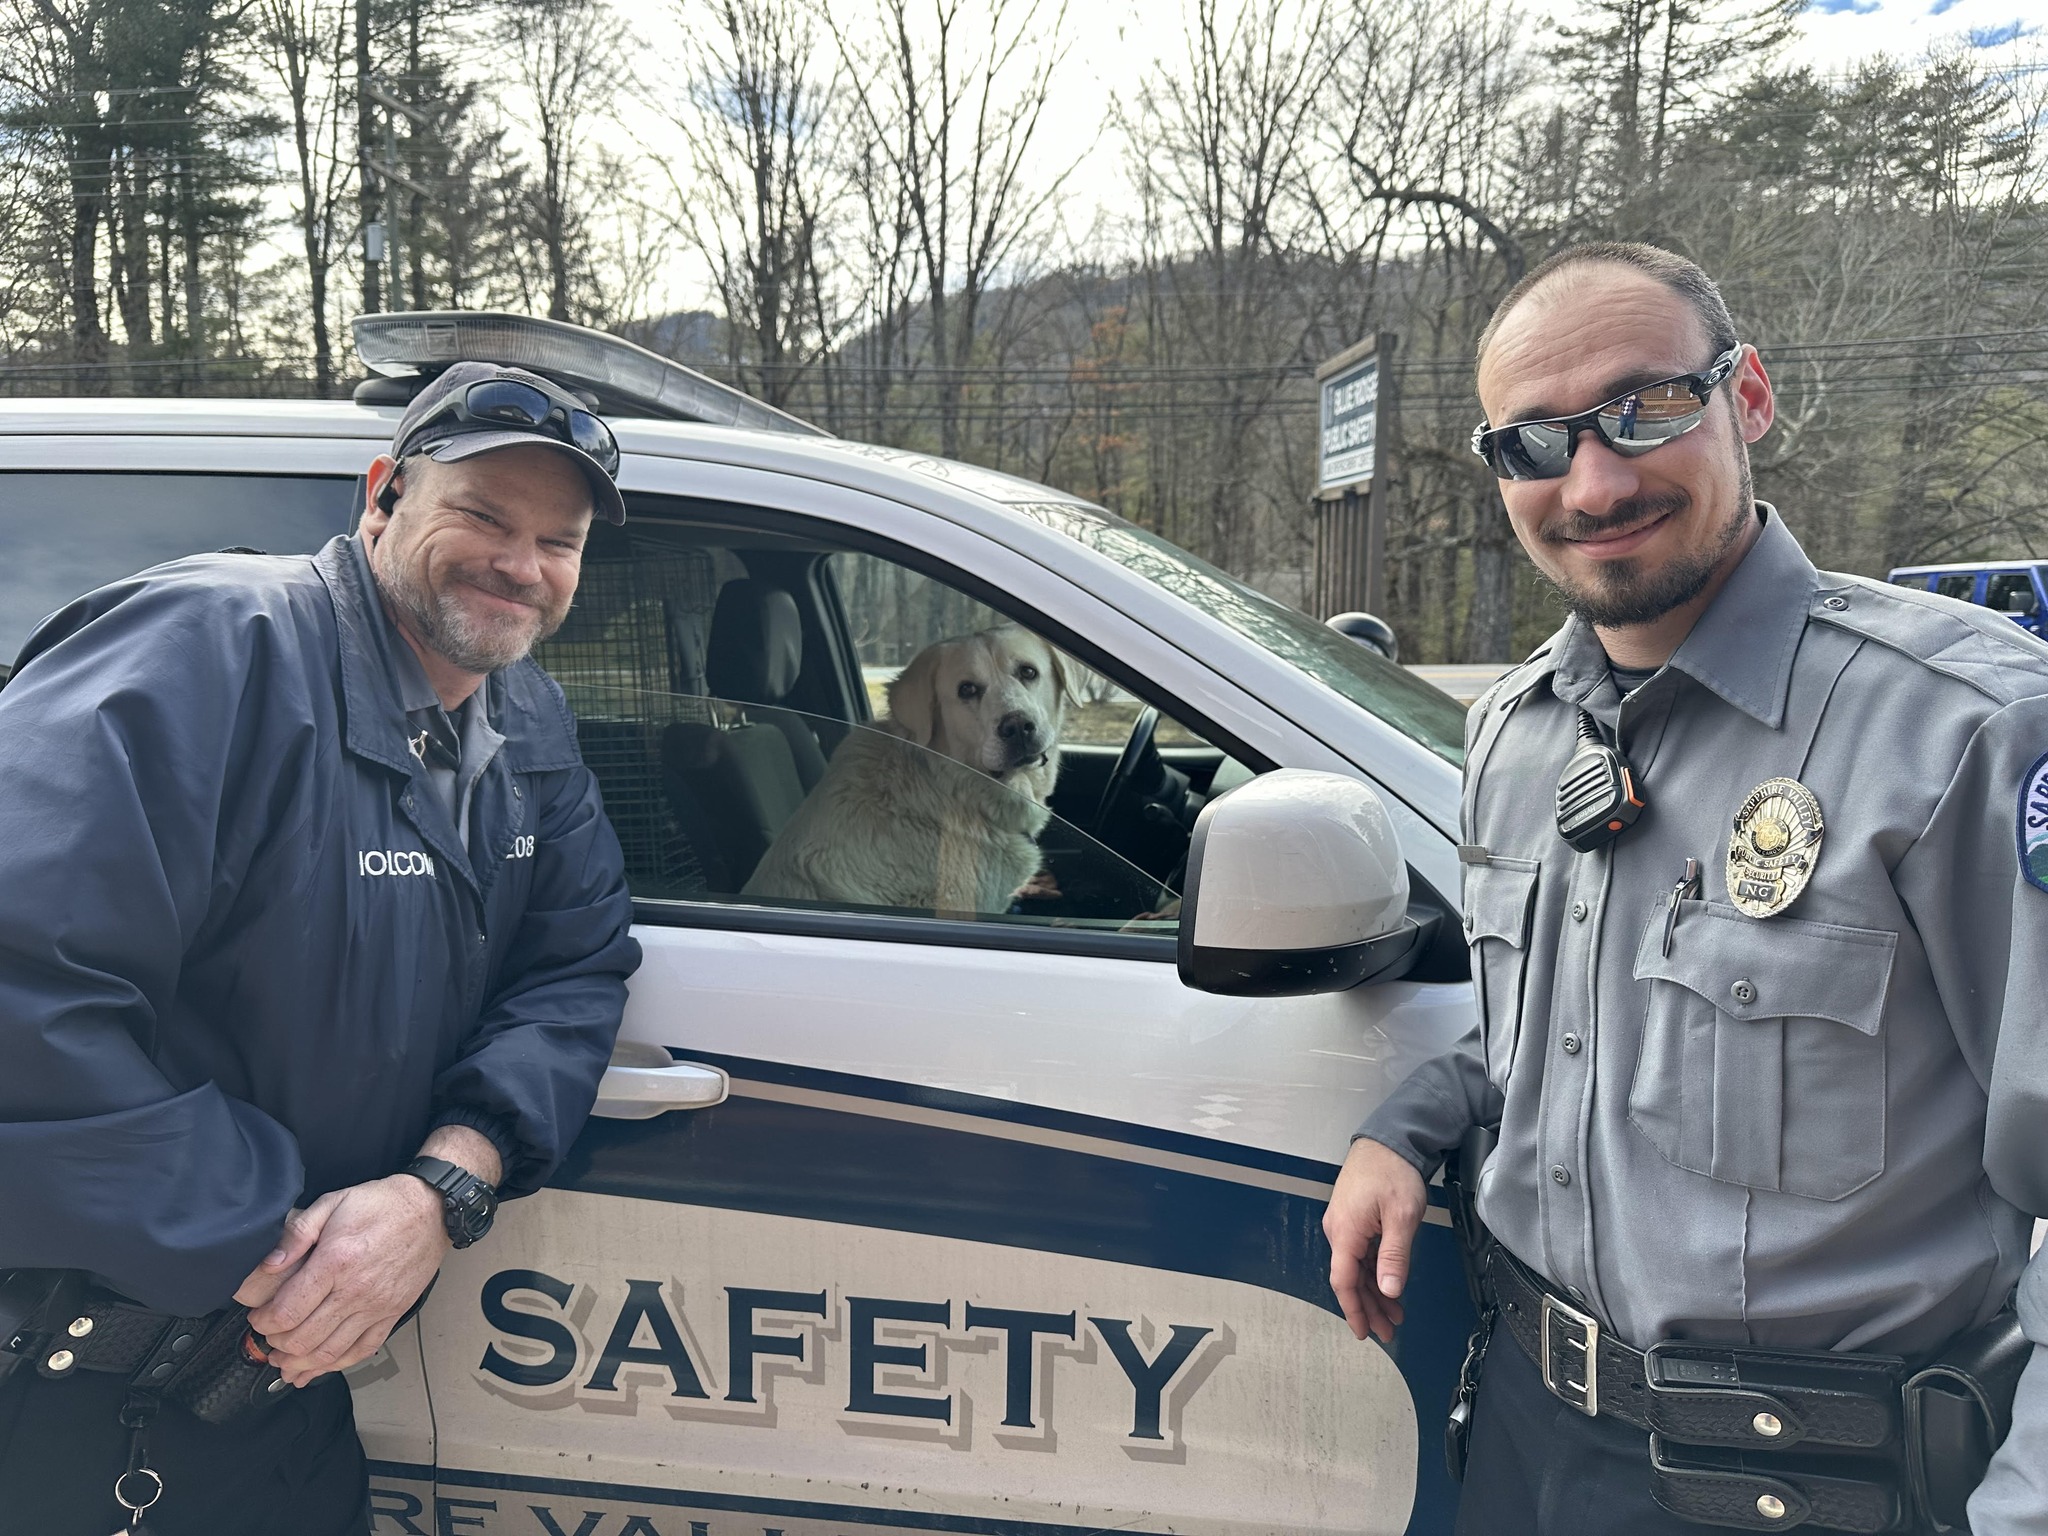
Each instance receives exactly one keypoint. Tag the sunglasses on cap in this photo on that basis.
(512, 403)
(1646, 417)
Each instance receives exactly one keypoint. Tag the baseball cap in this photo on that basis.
(438, 425)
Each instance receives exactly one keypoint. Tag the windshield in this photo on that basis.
(1363, 676)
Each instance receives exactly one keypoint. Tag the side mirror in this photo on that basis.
(1295, 884)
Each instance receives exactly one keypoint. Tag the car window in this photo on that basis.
(1413, 707)
(1958, 585)
(1916, 583)
(2011, 592)
(67, 533)
(778, 723)
(710, 802)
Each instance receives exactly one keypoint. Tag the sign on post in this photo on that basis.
(1354, 402)
(1350, 414)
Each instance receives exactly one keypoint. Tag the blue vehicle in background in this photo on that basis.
(2016, 588)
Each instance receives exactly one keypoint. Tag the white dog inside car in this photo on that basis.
(939, 805)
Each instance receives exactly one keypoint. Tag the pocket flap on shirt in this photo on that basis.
(1775, 967)
(1498, 897)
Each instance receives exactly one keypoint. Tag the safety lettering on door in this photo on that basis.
(885, 1356)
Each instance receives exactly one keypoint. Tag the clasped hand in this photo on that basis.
(344, 1273)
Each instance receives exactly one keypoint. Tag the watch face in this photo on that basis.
(472, 1212)
(467, 1202)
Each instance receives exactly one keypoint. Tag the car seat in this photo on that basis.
(737, 783)
(756, 656)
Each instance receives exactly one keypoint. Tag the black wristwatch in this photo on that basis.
(467, 1202)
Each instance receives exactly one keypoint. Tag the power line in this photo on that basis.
(1107, 375)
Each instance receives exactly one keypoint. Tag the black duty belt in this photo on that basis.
(104, 1334)
(213, 1365)
(1760, 1439)
(1742, 1398)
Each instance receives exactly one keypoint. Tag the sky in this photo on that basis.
(1838, 30)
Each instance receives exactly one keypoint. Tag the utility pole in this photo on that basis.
(389, 175)
(368, 184)
(384, 174)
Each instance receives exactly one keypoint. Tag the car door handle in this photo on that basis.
(641, 1093)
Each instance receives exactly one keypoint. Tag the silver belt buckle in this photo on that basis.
(1583, 1395)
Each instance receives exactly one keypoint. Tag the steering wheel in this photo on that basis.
(1137, 753)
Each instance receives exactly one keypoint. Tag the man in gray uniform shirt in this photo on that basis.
(1764, 1042)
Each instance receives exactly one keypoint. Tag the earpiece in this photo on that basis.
(387, 499)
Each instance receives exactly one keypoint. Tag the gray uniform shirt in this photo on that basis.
(1823, 1129)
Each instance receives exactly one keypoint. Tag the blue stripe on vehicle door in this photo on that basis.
(867, 1160)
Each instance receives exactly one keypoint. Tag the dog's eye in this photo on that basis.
(1027, 673)
(970, 690)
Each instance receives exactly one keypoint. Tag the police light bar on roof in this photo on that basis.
(627, 380)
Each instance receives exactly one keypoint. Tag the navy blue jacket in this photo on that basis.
(244, 958)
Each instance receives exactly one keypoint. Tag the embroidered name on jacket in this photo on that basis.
(395, 861)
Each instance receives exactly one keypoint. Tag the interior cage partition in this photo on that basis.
(630, 659)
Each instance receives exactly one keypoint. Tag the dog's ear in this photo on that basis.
(1062, 680)
(914, 696)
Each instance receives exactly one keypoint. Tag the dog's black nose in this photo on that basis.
(1017, 728)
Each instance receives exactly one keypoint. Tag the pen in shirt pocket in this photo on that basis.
(1688, 886)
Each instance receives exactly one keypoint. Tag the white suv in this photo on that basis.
(895, 1220)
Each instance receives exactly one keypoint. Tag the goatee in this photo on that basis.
(445, 626)
(1624, 592)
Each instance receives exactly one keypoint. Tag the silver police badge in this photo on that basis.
(1775, 847)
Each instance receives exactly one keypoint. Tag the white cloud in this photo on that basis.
(1831, 38)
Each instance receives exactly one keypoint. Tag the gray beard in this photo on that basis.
(450, 631)
(1626, 594)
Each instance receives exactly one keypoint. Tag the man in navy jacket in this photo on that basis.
(313, 943)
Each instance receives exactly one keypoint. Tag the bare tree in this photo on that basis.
(32, 258)
(1219, 141)
(860, 378)
(758, 115)
(567, 58)
(305, 44)
(1427, 169)
(56, 72)
(953, 97)
(1435, 90)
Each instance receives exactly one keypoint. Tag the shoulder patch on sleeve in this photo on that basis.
(2033, 824)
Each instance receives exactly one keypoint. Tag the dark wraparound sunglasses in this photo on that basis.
(509, 403)
(1646, 417)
